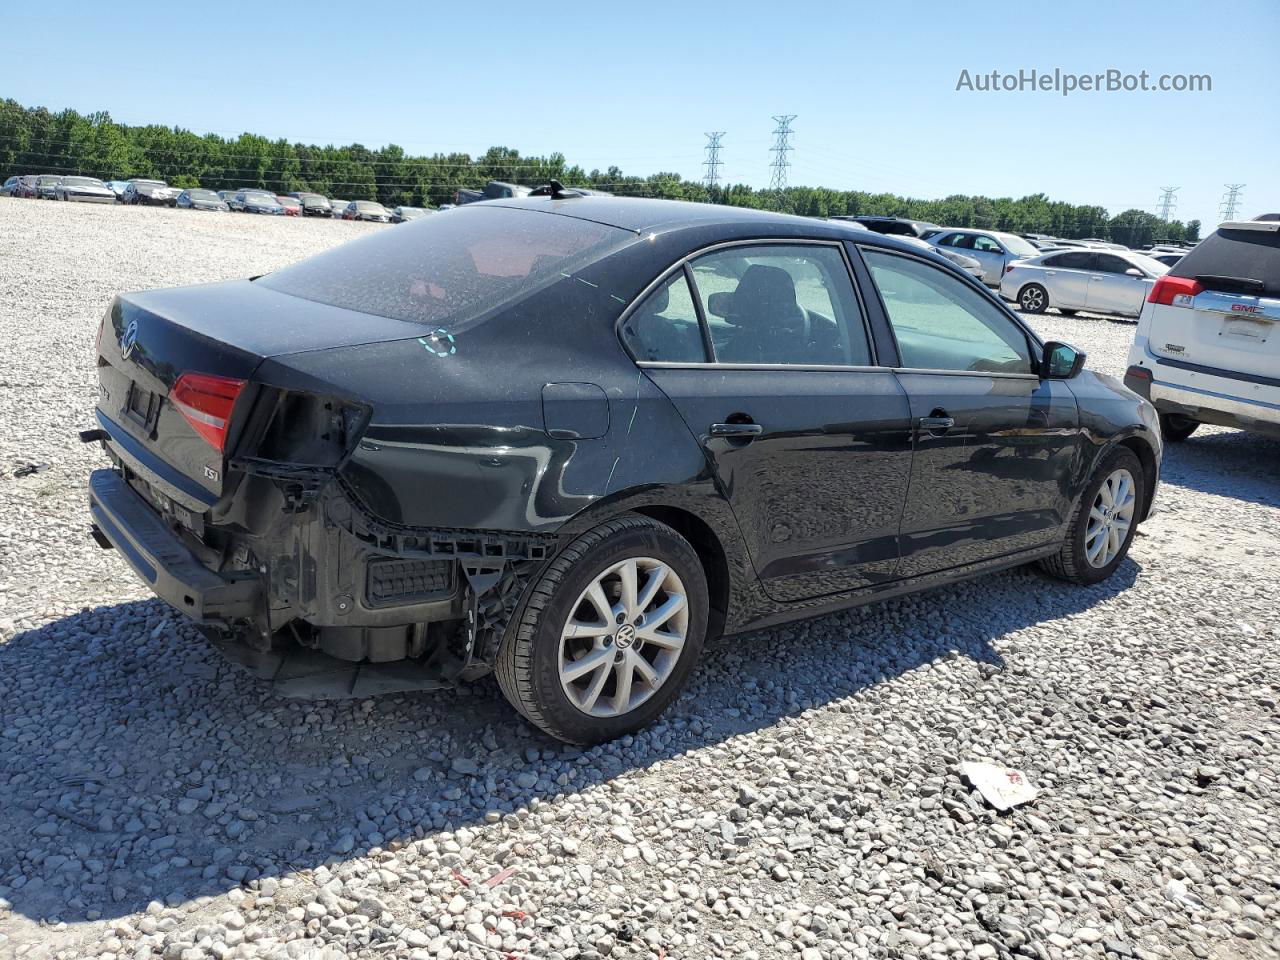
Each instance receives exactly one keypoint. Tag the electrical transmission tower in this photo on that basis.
(1167, 201)
(1231, 200)
(713, 162)
(781, 147)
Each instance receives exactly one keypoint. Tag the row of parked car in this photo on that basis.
(158, 193)
(1037, 271)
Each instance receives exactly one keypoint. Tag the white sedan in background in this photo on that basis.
(1101, 281)
(993, 249)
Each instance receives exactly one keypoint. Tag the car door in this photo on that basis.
(763, 349)
(995, 445)
(1112, 290)
(991, 253)
(1067, 278)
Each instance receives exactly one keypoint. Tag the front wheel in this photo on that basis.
(1175, 428)
(1033, 298)
(610, 632)
(1104, 522)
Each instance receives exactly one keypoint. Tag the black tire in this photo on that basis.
(1033, 298)
(1070, 563)
(1175, 428)
(528, 668)
(1067, 313)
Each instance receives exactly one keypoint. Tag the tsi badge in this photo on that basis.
(211, 474)
(129, 340)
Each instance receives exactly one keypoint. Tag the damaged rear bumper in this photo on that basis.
(163, 562)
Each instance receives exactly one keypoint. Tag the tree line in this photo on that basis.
(37, 140)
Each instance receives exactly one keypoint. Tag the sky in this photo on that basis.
(873, 87)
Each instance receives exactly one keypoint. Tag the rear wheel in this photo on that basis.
(1033, 298)
(610, 633)
(1175, 428)
(1104, 523)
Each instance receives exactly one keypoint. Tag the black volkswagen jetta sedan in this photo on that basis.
(568, 438)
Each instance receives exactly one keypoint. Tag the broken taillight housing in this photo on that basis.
(205, 402)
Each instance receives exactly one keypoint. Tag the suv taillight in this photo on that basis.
(1168, 290)
(205, 402)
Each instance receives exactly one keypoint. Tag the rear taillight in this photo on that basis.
(1174, 291)
(1137, 373)
(1008, 267)
(205, 401)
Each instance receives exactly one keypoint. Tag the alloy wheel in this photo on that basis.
(623, 637)
(1032, 300)
(1110, 518)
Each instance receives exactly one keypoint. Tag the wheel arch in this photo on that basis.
(711, 553)
(1141, 448)
(703, 518)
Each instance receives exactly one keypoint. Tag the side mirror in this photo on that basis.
(1061, 361)
(720, 304)
(1134, 272)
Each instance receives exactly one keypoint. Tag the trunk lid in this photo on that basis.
(149, 340)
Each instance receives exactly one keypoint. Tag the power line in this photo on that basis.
(712, 162)
(1231, 200)
(1167, 201)
(781, 147)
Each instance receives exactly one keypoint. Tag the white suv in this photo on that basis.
(1207, 348)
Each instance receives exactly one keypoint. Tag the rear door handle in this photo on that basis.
(736, 429)
(937, 423)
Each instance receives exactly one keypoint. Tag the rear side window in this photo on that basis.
(450, 269)
(1077, 260)
(941, 324)
(665, 327)
(1235, 261)
(781, 304)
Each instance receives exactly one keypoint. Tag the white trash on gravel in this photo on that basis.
(798, 801)
(1001, 787)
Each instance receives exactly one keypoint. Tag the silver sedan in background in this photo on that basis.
(1101, 281)
(992, 248)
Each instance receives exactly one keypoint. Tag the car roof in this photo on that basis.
(641, 215)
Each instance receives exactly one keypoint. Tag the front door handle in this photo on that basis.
(937, 423)
(739, 430)
(1097, 278)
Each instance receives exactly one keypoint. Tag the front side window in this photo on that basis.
(781, 303)
(1109, 263)
(665, 327)
(941, 324)
(986, 245)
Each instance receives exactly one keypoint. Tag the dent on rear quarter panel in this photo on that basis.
(458, 437)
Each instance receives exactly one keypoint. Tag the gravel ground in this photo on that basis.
(802, 799)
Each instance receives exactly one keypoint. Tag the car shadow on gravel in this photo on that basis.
(1226, 463)
(137, 765)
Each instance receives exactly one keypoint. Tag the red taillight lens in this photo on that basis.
(1008, 267)
(1138, 373)
(205, 401)
(1167, 288)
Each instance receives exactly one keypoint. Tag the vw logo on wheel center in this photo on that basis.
(129, 340)
(625, 636)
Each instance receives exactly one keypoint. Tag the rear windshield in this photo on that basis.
(450, 269)
(1224, 259)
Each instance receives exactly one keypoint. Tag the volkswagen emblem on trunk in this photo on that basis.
(129, 340)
